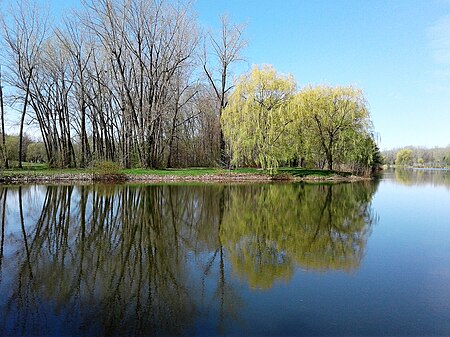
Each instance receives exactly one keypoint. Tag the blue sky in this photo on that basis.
(398, 52)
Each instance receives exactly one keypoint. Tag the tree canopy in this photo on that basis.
(337, 121)
(268, 122)
(256, 120)
(404, 157)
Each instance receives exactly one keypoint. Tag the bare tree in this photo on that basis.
(24, 35)
(73, 40)
(226, 50)
(146, 43)
(119, 81)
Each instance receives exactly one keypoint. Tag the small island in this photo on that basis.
(97, 93)
(41, 174)
(266, 130)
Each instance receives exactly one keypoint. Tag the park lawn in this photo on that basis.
(32, 169)
(197, 171)
(191, 171)
(301, 172)
(36, 169)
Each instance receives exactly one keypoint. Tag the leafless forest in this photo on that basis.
(136, 82)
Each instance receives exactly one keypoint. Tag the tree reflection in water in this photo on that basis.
(269, 231)
(133, 260)
(433, 177)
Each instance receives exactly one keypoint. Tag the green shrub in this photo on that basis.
(106, 167)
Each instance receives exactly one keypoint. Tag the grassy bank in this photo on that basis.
(41, 173)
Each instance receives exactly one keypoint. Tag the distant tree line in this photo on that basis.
(418, 156)
(138, 83)
(32, 151)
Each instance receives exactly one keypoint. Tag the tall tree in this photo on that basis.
(226, 50)
(334, 116)
(257, 119)
(24, 34)
(74, 41)
(146, 44)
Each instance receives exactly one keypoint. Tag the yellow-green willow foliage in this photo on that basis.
(335, 122)
(269, 230)
(257, 120)
(268, 123)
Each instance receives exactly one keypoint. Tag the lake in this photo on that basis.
(365, 258)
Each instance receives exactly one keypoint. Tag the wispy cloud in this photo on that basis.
(440, 40)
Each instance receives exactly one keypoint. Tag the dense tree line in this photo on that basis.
(118, 81)
(137, 82)
(32, 151)
(418, 156)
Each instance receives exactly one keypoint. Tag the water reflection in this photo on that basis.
(433, 177)
(268, 231)
(134, 260)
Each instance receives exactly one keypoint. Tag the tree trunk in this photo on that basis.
(224, 158)
(83, 139)
(22, 120)
(2, 115)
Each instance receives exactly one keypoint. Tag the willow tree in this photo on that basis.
(258, 116)
(404, 157)
(334, 116)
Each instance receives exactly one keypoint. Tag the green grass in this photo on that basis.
(42, 169)
(39, 169)
(177, 172)
(301, 172)
(192, 171)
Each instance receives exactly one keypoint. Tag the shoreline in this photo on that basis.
(156, 178)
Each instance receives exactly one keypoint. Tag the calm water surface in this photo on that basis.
(369, 258)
